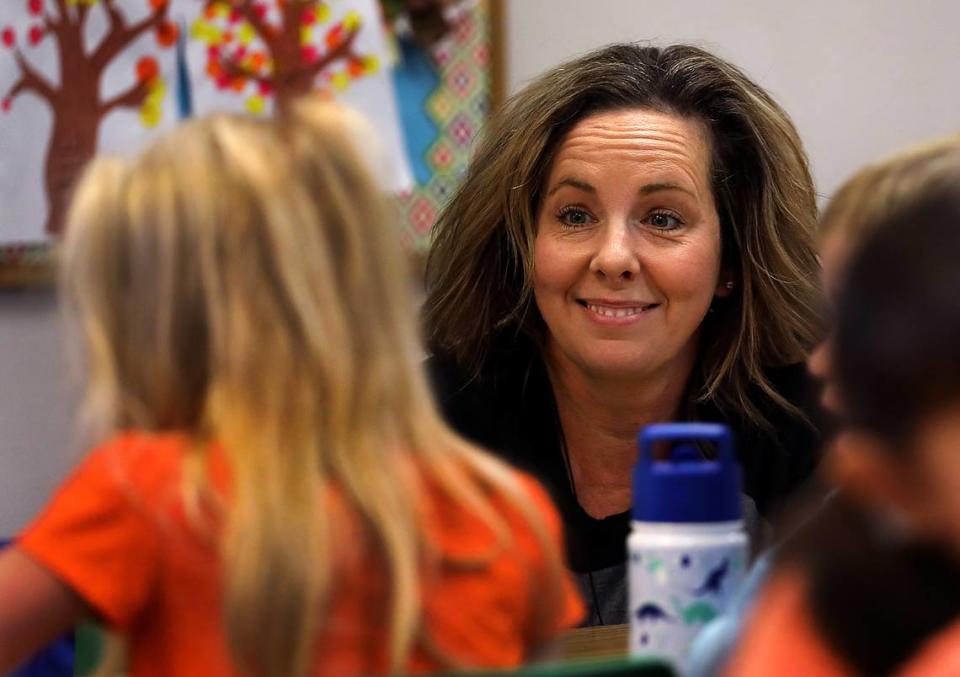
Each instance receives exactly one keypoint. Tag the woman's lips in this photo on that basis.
(618, 312)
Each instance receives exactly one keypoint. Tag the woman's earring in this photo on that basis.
(728, 285)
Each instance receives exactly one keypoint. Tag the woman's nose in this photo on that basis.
(616, 257)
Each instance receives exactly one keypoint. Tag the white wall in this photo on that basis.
(36, 405)
(860, 77)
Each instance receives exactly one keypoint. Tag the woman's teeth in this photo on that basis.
(606, 311)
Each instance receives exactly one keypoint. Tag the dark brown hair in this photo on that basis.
(876, 594)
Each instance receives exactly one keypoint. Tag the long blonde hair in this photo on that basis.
(239, 281)
(480, 267)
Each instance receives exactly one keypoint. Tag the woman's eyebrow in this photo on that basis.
(574, 183)
(650, 188)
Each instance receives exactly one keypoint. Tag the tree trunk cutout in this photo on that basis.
(76, 104)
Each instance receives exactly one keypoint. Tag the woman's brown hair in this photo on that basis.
(479, 270)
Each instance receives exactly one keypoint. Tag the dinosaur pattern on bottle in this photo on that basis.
(675, 592)
(652, 612)
(695, 613)
(713, 585)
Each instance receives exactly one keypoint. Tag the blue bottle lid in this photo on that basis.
(686, 488)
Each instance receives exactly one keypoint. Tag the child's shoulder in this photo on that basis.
(145, 462)
(502, 484)
(517, 501)
(133, 449)
(938, 657)
(780, 630)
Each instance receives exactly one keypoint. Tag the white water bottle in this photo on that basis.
(687, 549)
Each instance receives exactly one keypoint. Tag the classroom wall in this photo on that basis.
(860, 77)
(35, 405)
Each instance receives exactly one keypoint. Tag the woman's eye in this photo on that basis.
(574, 216)
(664, 221)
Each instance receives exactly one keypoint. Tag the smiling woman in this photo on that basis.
(632, 244)
(627, 251)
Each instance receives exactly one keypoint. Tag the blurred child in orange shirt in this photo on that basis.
(274, 492)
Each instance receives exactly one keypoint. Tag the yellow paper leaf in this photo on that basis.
(352, 21)
(150, 115)
(158, 89)
(246, 34)
(207, 32)
(256, 104)
(340, 81)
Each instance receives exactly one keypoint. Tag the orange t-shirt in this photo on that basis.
(118, 534)
(781, 638)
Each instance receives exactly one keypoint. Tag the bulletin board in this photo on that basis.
(445, 97)
(138, 67)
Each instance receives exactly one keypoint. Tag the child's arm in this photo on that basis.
(35, 607)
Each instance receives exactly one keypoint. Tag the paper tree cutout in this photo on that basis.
(280, 49)
(76, 103)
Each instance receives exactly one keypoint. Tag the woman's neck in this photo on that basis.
(600, 417)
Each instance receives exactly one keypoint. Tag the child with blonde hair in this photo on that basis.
(274, 492)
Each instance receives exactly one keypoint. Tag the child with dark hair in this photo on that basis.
(871, 583)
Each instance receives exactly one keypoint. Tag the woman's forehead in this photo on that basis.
(636, 145)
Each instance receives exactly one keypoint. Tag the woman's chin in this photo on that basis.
(617, 367)
(619, 361)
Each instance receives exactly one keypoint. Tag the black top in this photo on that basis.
(513, 413)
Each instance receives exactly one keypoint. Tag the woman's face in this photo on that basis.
(627, 251)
